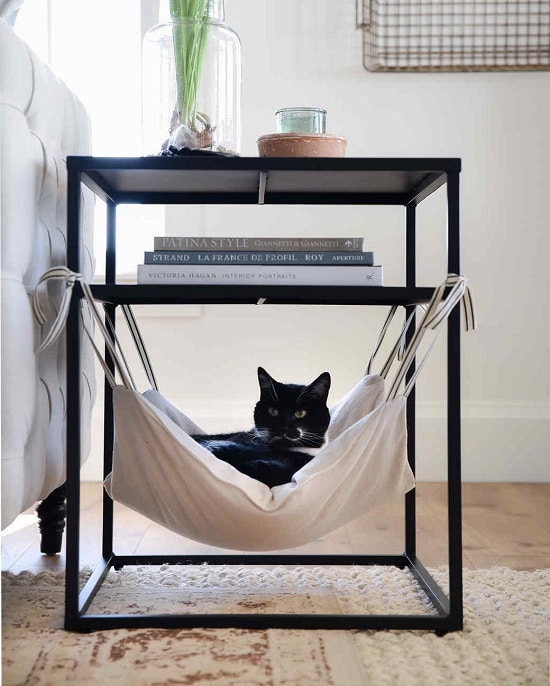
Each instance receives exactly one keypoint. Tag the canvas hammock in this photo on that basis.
(162, 473)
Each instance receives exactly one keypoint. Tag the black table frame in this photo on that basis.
(194, 179)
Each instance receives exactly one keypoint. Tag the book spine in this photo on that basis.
(193, 257)
(327, 275)
(256, 243)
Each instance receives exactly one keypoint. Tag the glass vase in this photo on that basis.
(191, 81)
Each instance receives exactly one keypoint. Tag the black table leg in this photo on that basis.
(51, 513)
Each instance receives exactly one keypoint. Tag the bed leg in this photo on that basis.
(51, 514)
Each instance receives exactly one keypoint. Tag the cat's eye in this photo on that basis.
(273, 411)
(300, 414)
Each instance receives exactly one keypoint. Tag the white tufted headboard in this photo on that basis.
(41, 123)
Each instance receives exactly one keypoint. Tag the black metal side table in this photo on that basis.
(209, 180)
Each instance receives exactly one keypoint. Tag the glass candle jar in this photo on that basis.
(301, 120)
(191, 81)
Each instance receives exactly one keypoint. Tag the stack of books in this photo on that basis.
(248, 261)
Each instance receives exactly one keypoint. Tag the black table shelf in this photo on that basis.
(243, 180)
(253, 295)
(238, 180)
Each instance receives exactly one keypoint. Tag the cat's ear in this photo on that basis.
(320, 387)
(267, 383)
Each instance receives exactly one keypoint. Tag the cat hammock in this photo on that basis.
(162, 473)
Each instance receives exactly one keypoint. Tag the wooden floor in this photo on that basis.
(503, 524)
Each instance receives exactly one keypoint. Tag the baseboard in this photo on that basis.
(488, 409)
(501, 442)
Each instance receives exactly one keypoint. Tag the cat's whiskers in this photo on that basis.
(312, 439)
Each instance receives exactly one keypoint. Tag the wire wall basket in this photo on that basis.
(455, 35)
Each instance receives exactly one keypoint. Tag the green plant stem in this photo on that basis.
(190, 35)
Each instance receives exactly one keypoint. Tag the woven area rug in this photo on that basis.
(505, 640)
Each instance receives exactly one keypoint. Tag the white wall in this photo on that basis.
(309, 53)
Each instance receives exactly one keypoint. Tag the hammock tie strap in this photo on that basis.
(54, 273)
(140, 345)
(106, 370)
(108, 330)
(398, 349)
(111, 341)
(114, 337)
(116, 350)
(381, 336)
(70, 278)
(436, 314)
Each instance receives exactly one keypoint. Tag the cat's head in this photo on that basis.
(291, 415)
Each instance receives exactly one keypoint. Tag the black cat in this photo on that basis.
(290, 425)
